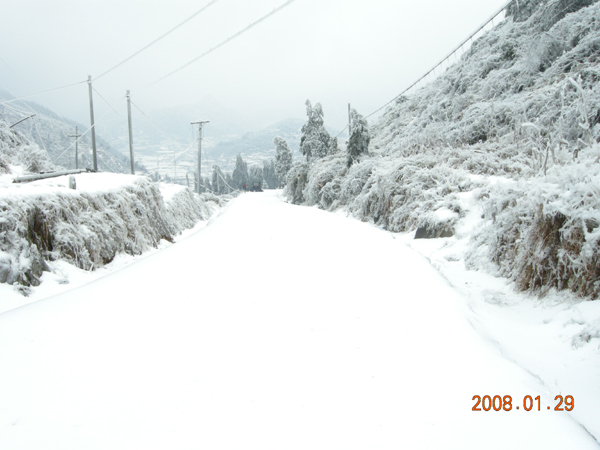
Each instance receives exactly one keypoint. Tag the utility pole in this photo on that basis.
(76, 136)
(94, 159)
(200, 125)
(349, 124)
(130, 132)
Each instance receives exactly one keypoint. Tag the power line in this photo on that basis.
(506, 5)
(106, 101)
(43, 92)
(253, 24)
(157, 39)
(165, 134)
(89, 129)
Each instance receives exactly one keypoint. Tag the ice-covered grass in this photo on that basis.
(514, 124)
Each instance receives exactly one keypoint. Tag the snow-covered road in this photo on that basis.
(274, 327)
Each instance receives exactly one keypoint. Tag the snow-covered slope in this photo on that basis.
(52, 132)
(45, 221)
(509, 134)
(353, 341)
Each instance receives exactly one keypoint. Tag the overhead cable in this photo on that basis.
(157, 39)
(498, 12)
(253, 24)
(43, 92)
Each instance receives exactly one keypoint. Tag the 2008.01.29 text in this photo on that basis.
(497, 403)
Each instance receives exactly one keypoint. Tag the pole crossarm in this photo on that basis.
(22, 120)
(200, 125)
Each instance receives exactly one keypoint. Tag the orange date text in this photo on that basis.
(505, 403)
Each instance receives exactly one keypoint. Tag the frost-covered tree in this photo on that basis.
(359, 137)
(315, 140)
(333, 146)
(218, 181)
(283, 159)
(269, 176)
(240, 173)
(229, 185)
(206, 186)
(255, 177)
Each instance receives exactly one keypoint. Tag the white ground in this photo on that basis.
(285, 327)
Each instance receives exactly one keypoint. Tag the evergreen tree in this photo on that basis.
(333, 146)
(359, 138)
(240, 173)
(269, 176)
(229, 185)
(255, 178)
(218, 184)
(315, 139)
(283, 159)
(206, 187)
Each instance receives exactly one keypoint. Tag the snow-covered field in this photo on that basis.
(277, 326)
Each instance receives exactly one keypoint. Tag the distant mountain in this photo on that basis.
(165, 141)
(258, 145)
(52, 133)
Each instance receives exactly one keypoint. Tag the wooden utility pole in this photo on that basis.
(349, 124)
(94, 159)
(130, 132)
(200, 125)
(76, 136)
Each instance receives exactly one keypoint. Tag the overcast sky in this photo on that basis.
(329, 51)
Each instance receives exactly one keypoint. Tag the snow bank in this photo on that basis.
(46, 221)
(107, 214)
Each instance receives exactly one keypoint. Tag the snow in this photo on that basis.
(350, 339)
(86, 182)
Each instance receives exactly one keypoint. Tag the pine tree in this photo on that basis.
(240, 173)
(359, 138)
(206, 187)
(255, 177)
(271, 180)
(229, 181)
(315, 140)
(333, 146)
(218, 184)
(283, 159)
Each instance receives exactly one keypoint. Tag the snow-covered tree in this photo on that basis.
(240, 173)
(218, 181)
(333, 146)
(206, 186)
(269, 176)
(283, 159)
(229, 185)
(255, 177)
(315, 140)
(359, 137)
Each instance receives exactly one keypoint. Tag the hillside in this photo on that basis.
(46, 221)
(257, 146)
(52, 132)
(501, 151)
